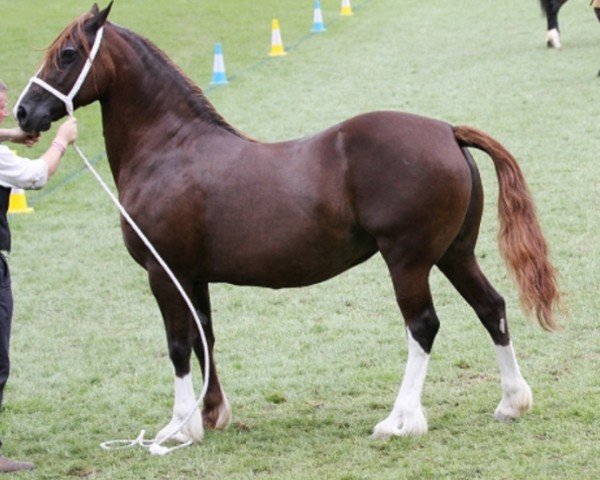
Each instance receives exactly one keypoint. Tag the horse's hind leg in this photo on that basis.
(461, 268)
(414, 299)
(217, 412)
(551, 8)
(179, 326)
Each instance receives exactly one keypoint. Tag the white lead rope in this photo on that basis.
(154, 447)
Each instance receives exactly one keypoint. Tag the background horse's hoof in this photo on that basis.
(553, 39)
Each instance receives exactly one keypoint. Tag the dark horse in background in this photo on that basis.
(550, 9)
(222, 207)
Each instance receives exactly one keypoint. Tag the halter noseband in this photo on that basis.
(66, 99)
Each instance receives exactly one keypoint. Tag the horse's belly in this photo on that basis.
(279, 261)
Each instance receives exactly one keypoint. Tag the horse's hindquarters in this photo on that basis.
(410, 180)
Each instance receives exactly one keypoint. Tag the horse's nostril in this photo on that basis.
(21, 114)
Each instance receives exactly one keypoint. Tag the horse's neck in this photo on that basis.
(149, 101)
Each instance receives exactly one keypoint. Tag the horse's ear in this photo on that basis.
(99, 17)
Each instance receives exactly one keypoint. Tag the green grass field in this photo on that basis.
(309, 372)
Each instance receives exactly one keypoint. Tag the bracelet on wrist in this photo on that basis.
(59, 146)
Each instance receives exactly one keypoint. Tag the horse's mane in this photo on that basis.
(197, 100)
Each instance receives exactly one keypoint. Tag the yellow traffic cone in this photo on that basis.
(346, 8)
(276, 43)
(17, 202)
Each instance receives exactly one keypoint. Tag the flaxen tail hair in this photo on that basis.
(522, 243)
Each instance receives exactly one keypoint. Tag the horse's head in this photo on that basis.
(63, 82)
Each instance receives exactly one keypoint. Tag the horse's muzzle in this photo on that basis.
(32, 123)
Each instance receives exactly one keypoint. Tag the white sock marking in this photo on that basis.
(516, 394)
(184, 395)
(414, 375)
(184, 402)
(507, 361)
(407, 416)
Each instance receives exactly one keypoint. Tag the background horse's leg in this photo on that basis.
(551, 8)
(597, 11)
(217, 412)
(180, 327)
(414, 298)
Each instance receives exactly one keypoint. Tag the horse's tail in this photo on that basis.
(522, 243)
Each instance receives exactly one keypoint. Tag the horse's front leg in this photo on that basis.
(179, 327)
(217, 412)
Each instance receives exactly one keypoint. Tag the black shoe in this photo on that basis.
(8, 465)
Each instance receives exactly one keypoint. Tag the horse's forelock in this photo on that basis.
(73, 31)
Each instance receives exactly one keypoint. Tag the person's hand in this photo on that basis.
(19, 136)
(67, 132)
(32, 139)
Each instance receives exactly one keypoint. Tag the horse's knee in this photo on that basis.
(493, 318)
(424, 327)
(491, 307)
(180, 353)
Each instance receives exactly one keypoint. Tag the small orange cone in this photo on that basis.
(17, 202)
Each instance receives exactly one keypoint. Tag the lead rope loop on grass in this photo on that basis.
(154, 447)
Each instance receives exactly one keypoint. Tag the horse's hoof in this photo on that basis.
(192, 431)
(408, 423)
(553, 39)
(515, 402)
(218, 418)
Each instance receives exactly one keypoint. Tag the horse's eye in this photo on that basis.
(67, 56)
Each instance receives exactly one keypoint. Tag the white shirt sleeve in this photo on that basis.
(21, 172)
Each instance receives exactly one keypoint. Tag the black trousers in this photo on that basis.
(6, 313)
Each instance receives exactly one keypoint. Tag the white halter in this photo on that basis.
(67, 99)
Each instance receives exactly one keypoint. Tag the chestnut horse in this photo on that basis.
(222, 207)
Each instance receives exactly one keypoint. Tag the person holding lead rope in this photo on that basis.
(26, 174)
